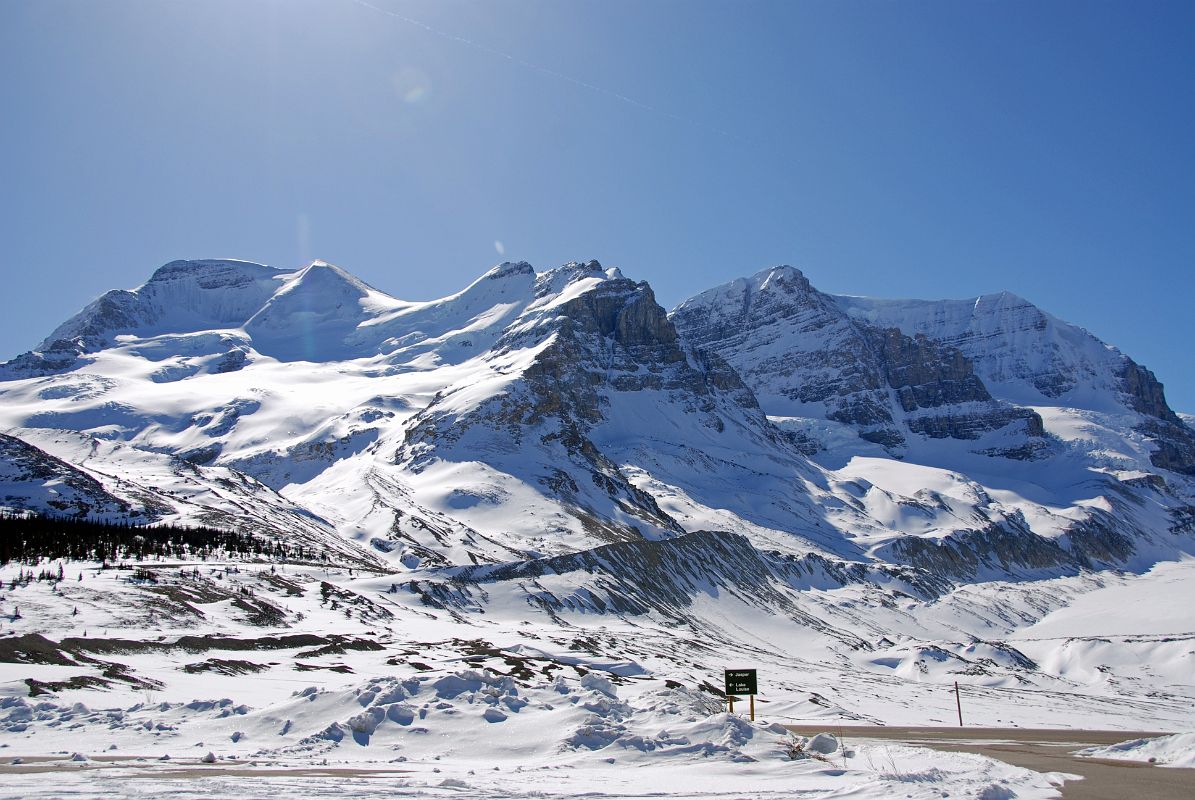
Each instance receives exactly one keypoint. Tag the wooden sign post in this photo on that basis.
(741, 681)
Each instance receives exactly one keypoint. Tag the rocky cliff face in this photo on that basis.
(1018, 350)
(54, 358)
(607, 363)
(1145, 393)
(1026, 355)
(1173, 439)
(805, 357)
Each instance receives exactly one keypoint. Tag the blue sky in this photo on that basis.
(911, 149)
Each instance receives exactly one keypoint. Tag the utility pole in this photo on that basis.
(958, 701)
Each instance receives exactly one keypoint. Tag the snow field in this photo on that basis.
(474, 733)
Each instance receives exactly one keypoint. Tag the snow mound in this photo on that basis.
(824, 743)
(1177, 750)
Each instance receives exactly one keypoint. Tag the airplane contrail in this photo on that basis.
(544, 70)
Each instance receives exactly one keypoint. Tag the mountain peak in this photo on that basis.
(208, 267)
(182, 296)
(1002, 300)
(779, 274)
(322, 277)
(781, 289)
(314, 313)
(507, 269)
(568, 277)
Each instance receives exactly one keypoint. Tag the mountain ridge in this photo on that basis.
(532, 415)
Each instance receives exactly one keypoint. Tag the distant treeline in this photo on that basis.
(28, 539)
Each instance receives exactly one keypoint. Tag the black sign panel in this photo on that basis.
(741, 681)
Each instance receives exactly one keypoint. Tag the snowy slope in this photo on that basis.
(61, 472)
(1029, 357)
(1021, 438)
(361, 672)
(33, 480)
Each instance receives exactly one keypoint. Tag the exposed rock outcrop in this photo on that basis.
(33, 480)
(805, 357)
(607, 359)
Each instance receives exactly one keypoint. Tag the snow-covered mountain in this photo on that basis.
(538, 414)
(945, 369)
(1030, 357)
(875, 493)
(806, 357)
(421, 428)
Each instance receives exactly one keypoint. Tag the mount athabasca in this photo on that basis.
(525, 528)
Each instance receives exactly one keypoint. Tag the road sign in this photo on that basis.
(741, 681)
